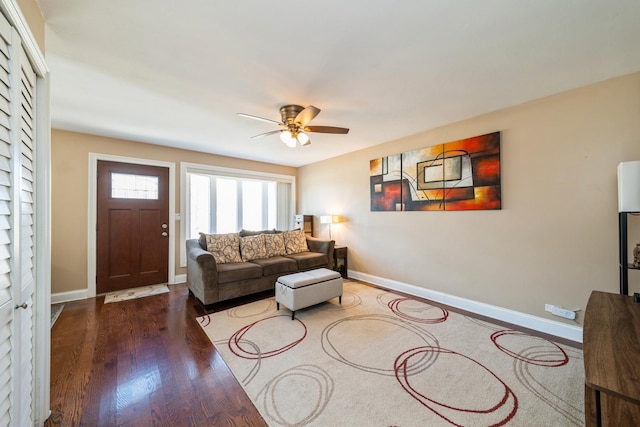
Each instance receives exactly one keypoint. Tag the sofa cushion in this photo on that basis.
(245, 233)
(237, 271)
(252, 247)
(224, 247)
(295, 241)
(274, 244)
(309, 260)
(276, 265)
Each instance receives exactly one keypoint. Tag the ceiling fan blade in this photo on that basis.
(306, 115)
(262, 119)
(326, 129)
(266, 134)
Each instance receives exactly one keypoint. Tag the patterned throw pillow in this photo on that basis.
(224, 247)
(295, 241)
(274, 243)
(252, 247)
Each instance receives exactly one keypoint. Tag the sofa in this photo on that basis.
(221, 267)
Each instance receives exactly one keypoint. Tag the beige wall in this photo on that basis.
(31, 11)
(555, 239)
(70, 175)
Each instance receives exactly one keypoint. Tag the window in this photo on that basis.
(226, 205)
(222, 200)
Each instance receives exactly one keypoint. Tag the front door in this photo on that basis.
(132, 227)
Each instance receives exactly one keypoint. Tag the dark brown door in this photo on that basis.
(132, 228)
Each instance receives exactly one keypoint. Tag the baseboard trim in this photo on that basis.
(552, 327)
(179, 278)
(68, 296)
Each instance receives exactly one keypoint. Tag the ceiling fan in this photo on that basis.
(294, 125)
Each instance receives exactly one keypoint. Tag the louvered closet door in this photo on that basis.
(17, 94)
(6, 297)
(24, 169)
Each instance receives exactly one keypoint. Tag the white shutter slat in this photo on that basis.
(26, 141)
(4, 49)
(5, 266)
(26, 185)
(5, 294)
(4, 138)
(4, 119)
(4, 90)
(26, 150)
(27, 174)
(27, 214)
(26, 196)
(6, 317)
(27, 129)
(4, 58)
(27, 163)
(26, 98)
(4, 75)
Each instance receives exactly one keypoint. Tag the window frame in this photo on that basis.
(187, 168)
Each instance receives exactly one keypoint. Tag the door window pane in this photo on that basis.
(129, 186)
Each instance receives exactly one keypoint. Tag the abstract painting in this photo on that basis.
(458, 175)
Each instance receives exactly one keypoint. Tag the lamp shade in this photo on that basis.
(303, 138)
(629, 186)
(325, 219)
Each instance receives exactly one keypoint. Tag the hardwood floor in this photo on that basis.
(144, 362)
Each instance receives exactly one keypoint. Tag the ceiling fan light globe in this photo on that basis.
(287, 138)
(303, 138)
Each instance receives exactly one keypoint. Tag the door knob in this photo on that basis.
(164, 234)
(164, 225)
(23, 305)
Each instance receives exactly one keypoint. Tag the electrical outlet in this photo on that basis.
(559, 311)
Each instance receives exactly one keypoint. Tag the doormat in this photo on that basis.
(56, 309)
(128, 294)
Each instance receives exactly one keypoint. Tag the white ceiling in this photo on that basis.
(176, 72)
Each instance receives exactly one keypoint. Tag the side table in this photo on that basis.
(340, 257)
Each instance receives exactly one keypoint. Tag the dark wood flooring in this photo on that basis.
(144, 362)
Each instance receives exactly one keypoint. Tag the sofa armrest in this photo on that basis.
(202, 272)
(323, 246)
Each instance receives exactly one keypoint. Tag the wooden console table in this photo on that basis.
(611, 345)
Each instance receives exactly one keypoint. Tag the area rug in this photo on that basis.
(381, 359)
(128, 294)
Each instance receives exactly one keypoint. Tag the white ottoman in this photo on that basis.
(307, 288)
